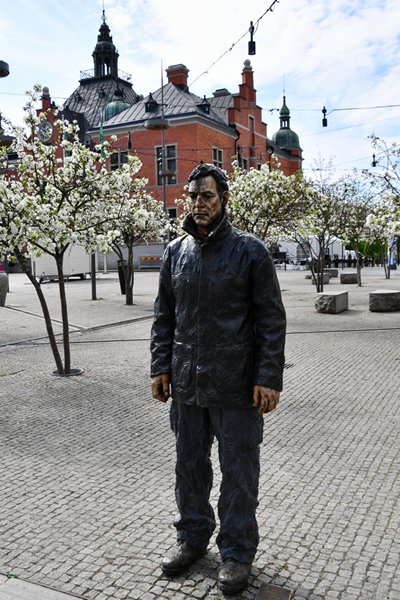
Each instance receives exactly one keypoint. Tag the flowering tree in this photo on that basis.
(138, 218)
(49, 202)
(386, 177)
(319, 226)
(382, 227)
(384, 221)
(357, 202)
(264, 202)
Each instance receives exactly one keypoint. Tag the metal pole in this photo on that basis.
(163, 176)
(93, 276)
(163, 180)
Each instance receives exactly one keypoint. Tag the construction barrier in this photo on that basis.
(149, 262)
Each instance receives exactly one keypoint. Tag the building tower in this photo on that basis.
(99, 87)
(105, 54)
(285, 143)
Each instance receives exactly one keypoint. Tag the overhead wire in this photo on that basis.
(257, 22)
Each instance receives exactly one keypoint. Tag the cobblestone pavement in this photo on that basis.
(87, 463)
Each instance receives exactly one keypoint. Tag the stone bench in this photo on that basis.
(332, 302)
(332, 272)
(348, 278)
(384, 300)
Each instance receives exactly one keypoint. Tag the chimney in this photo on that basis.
(178, 75)
(221, 92)
(46, 100)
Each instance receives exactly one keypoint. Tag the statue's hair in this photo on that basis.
(206, 170)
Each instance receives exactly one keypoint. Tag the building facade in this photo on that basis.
(171, 129)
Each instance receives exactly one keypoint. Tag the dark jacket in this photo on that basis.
(219, 325)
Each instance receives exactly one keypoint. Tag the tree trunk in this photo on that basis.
(358, 255)
(307, 250)
(45, 309)
(320, 269)
(64, 315)
(385, 262)
(129, 278)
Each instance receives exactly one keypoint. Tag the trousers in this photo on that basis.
(239, 433)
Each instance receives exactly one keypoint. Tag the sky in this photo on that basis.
(341, 54)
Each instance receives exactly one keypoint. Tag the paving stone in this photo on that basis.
(88, 465)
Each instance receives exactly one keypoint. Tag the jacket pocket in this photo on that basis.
(233, 370)
(181, 367)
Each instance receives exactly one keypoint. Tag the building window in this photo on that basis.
(170, 164)
(117, 159)
(245, 164)
(252, 131)
(218, 158)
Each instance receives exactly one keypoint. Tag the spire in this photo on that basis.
(286, 138)
(105, 54)
(284, 115)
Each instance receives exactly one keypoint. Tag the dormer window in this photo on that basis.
(205, 106)
(151, 105)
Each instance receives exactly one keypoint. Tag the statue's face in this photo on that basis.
(206, 204)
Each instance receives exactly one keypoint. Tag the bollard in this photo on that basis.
(3, 288)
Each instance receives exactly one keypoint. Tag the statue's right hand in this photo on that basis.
(160, 387)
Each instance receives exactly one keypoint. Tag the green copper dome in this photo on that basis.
(286, 138)
(116, 106)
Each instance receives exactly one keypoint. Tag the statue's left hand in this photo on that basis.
(265, 398)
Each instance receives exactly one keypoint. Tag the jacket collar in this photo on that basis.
(218, 232)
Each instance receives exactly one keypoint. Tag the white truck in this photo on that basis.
(76, 264)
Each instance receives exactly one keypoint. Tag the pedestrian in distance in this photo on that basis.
(217, 349)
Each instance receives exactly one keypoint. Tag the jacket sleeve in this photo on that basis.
(269, 325)
(162, 333)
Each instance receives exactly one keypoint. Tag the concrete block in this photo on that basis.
(332, 272)
(268, 591)
(325, 278)
(348, 277)
(332, 302)
(384, 301)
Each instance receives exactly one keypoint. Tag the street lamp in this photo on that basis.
(4, 69)
(324, 119)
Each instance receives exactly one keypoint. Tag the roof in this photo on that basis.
(177, 103)
(95, 93)
(287, 139)
(221, 104)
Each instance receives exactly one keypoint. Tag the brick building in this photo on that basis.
(172, 129)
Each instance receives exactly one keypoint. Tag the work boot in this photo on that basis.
(233, 577)
(184, 556)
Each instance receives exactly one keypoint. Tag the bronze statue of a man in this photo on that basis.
(218, 349)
